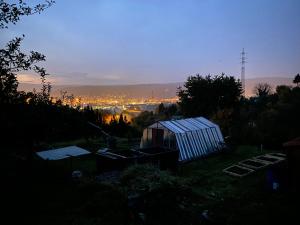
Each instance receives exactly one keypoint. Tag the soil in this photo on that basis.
(253, 163)
(238, 170)
(269, 159)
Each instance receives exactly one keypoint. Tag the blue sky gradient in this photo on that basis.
(155, 41)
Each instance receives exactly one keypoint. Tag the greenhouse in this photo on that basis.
(192, 137)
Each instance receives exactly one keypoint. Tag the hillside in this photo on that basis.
(167, 90)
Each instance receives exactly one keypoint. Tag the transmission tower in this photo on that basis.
(243, 70)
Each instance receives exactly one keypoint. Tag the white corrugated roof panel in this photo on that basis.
(62, 153)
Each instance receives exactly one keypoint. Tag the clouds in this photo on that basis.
(85, 78)
(33, 78)
(112, 77)
(72, 78)
(68, 78)
(28, 78)
(129, 42)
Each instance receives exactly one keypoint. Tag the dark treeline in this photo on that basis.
(27, 125)
(120, 126)
(117, 126)
(162, 112)
(268, 118)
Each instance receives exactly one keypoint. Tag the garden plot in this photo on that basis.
(269, 158)
(238, 171)
(253, 164)
(278, 154)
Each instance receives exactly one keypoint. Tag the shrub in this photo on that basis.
(162, 197)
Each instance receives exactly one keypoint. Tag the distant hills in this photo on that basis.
(130, 91)
(167, 90)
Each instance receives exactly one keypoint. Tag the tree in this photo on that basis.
(204, 96)
(125, 120)
(297, 80)
(284, 93)
(160, 109)
(12, 59)
(121, 120)
(11, 12)
(171, 110)
(262, 89)
(143, 120)
(20, 120)
(270, 119)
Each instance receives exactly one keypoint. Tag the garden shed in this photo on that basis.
(192, 137)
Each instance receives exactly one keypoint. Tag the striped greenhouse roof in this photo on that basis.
(186, 125)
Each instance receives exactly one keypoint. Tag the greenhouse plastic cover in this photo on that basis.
(195, 137)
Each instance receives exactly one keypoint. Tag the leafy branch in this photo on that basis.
(11, 12)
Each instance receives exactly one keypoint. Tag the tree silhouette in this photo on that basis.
(12, 59)
(204, 96)
(297, 79)
(160, 109)
(121, 120)
(262, 89)
(11, 12)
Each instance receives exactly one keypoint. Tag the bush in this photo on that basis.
(162, 197)
(105, 203)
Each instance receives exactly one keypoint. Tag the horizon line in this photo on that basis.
(155, 83)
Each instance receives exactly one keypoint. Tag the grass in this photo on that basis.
(233, 200)
(207, 175)
(39, 199)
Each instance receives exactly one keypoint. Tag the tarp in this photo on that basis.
(62, 153)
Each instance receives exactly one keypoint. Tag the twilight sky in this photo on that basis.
(157, 41)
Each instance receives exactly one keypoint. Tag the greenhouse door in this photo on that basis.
(157, 137)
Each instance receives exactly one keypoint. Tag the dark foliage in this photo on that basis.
(204, 96)
(166, 112)
(27, 119)
(13, 60)
(297, 79)
(11, 13)
(161, 197)
(147, 118)
(105, 203)
(143, 120)
(262, 90)
(268, 119)
(31, 124)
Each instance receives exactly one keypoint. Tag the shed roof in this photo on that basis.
(62, 153)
